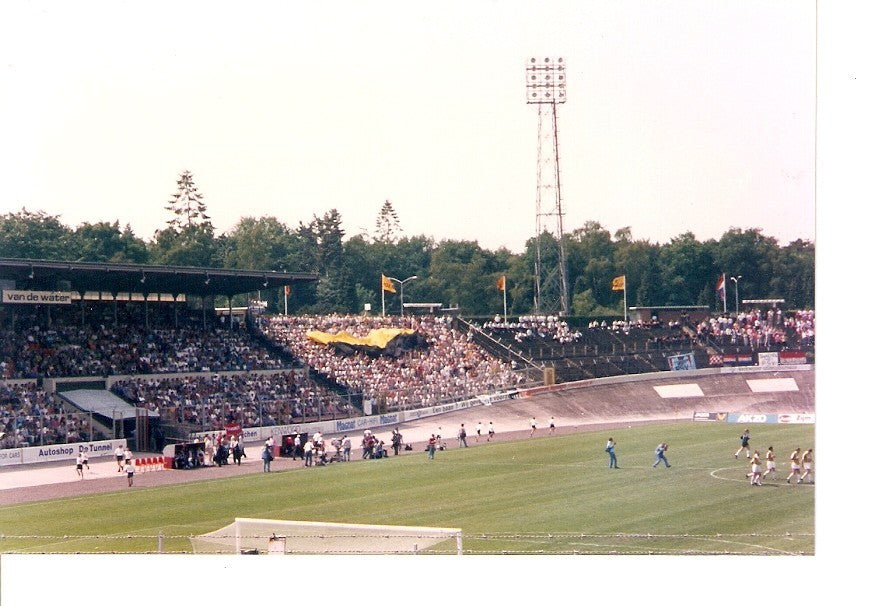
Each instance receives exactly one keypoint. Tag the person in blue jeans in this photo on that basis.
(660, 454)
(612, 458)
(267, 457)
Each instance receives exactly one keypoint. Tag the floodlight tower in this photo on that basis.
(545, 88)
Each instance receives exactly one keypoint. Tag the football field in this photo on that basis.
(541, 495)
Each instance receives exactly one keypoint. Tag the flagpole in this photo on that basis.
(621, 279)
(382, 298)
(724, 290)
(505, 297)
(625, 297)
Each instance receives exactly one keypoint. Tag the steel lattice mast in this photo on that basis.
(546, 88)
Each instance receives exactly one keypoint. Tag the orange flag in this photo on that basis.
(619, 283)
(500, 283)
(386, 284)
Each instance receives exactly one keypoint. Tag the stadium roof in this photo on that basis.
(670, 307)
(32, 274)
(763, 301)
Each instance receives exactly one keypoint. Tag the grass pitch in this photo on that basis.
(544, 495)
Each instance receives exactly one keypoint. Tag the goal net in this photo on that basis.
(256, 536)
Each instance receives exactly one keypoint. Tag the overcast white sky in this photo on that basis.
(681, 115)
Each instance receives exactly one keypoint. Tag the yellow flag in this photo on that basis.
(500, 283)
(386, 284)
(619, 283)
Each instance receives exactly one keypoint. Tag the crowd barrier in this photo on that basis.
(155, 463)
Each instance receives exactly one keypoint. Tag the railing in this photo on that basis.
(207, 416)
(496, 347)
(401, 399)
(22, 430)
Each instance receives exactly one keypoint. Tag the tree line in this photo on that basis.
(457, 273)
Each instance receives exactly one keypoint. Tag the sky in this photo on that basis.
(680, 115)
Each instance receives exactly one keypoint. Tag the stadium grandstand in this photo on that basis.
(604, 348)
(65, 326)
(97, 351)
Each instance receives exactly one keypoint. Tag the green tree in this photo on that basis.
(465, 274)
(29, 235)
(752, 256)
(329, 241)
(193, 246)
(369, 258)
(268, 244)
(409, 256)
(687, 272)
(336, 292)
(637, 260)
(322, 241)
(520, 283)
(591, 263)
(794, 275)
(188, 239)
(260, 244)
(584, 304)
(388, 227)
(186, 205)
(106, 242)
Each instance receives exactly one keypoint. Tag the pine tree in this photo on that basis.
(187, 205)
(388, 226)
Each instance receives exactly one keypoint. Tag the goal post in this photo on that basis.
(253, 535)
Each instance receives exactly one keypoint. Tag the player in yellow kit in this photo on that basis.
(770, 458)
(795, 466)
(807, 460)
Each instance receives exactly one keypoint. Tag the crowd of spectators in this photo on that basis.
(450, 366)
(626, 326)
(759, 330)
(539, 330)
(67, 347)
(210, 402)
(531, 328)
(29, 416)
(803, 325)
(214, 382)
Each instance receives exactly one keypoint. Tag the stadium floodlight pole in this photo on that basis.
(401, 283)
(546, 88)
(736, 285)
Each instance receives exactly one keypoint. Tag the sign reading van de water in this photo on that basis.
(37, 297)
